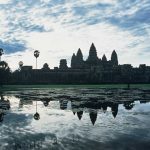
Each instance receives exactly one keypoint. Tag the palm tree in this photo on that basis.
(36, 55)
(1, 53)
(36, 115)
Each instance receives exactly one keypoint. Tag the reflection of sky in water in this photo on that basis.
(61, 129)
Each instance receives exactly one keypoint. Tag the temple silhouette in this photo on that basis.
(79, 103)
(92, 62)
(93, 70)
(92, 108)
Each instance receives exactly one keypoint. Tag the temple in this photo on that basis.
(93, 70)
(93, 62)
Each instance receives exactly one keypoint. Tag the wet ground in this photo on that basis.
(75, 119)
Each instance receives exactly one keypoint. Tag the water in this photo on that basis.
(75, 119)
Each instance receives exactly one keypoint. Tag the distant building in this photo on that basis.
(63, 64)
(26, 68)
(77, 61)
(93, 70)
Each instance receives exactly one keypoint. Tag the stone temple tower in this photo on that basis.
(114, 58)
(63, 64)
(79, 55)
(73, 61)
(77, 60)
(104, 59)
(92, 58)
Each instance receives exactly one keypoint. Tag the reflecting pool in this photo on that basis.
(75, 119)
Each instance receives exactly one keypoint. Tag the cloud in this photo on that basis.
(64, 26)
(13, 46)
(4, 2)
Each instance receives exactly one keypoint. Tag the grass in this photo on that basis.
(20, 87)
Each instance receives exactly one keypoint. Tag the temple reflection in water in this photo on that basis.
(88, 101)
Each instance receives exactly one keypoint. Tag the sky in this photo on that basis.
(57, 28)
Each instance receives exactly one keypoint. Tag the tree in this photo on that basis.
(36, 115)
(4, 73)
(128, 105)
(36, 55)
(1, 53)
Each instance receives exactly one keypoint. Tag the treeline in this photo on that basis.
(5, 73)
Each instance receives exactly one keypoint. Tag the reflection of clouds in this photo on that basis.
(16, 120)
(14, 125)
(71, 133)
(132, 140)
(81, 101)
(30, 141)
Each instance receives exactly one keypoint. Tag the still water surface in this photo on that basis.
(75, 119)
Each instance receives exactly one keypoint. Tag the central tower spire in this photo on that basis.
(92, 58)
(114, 58)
